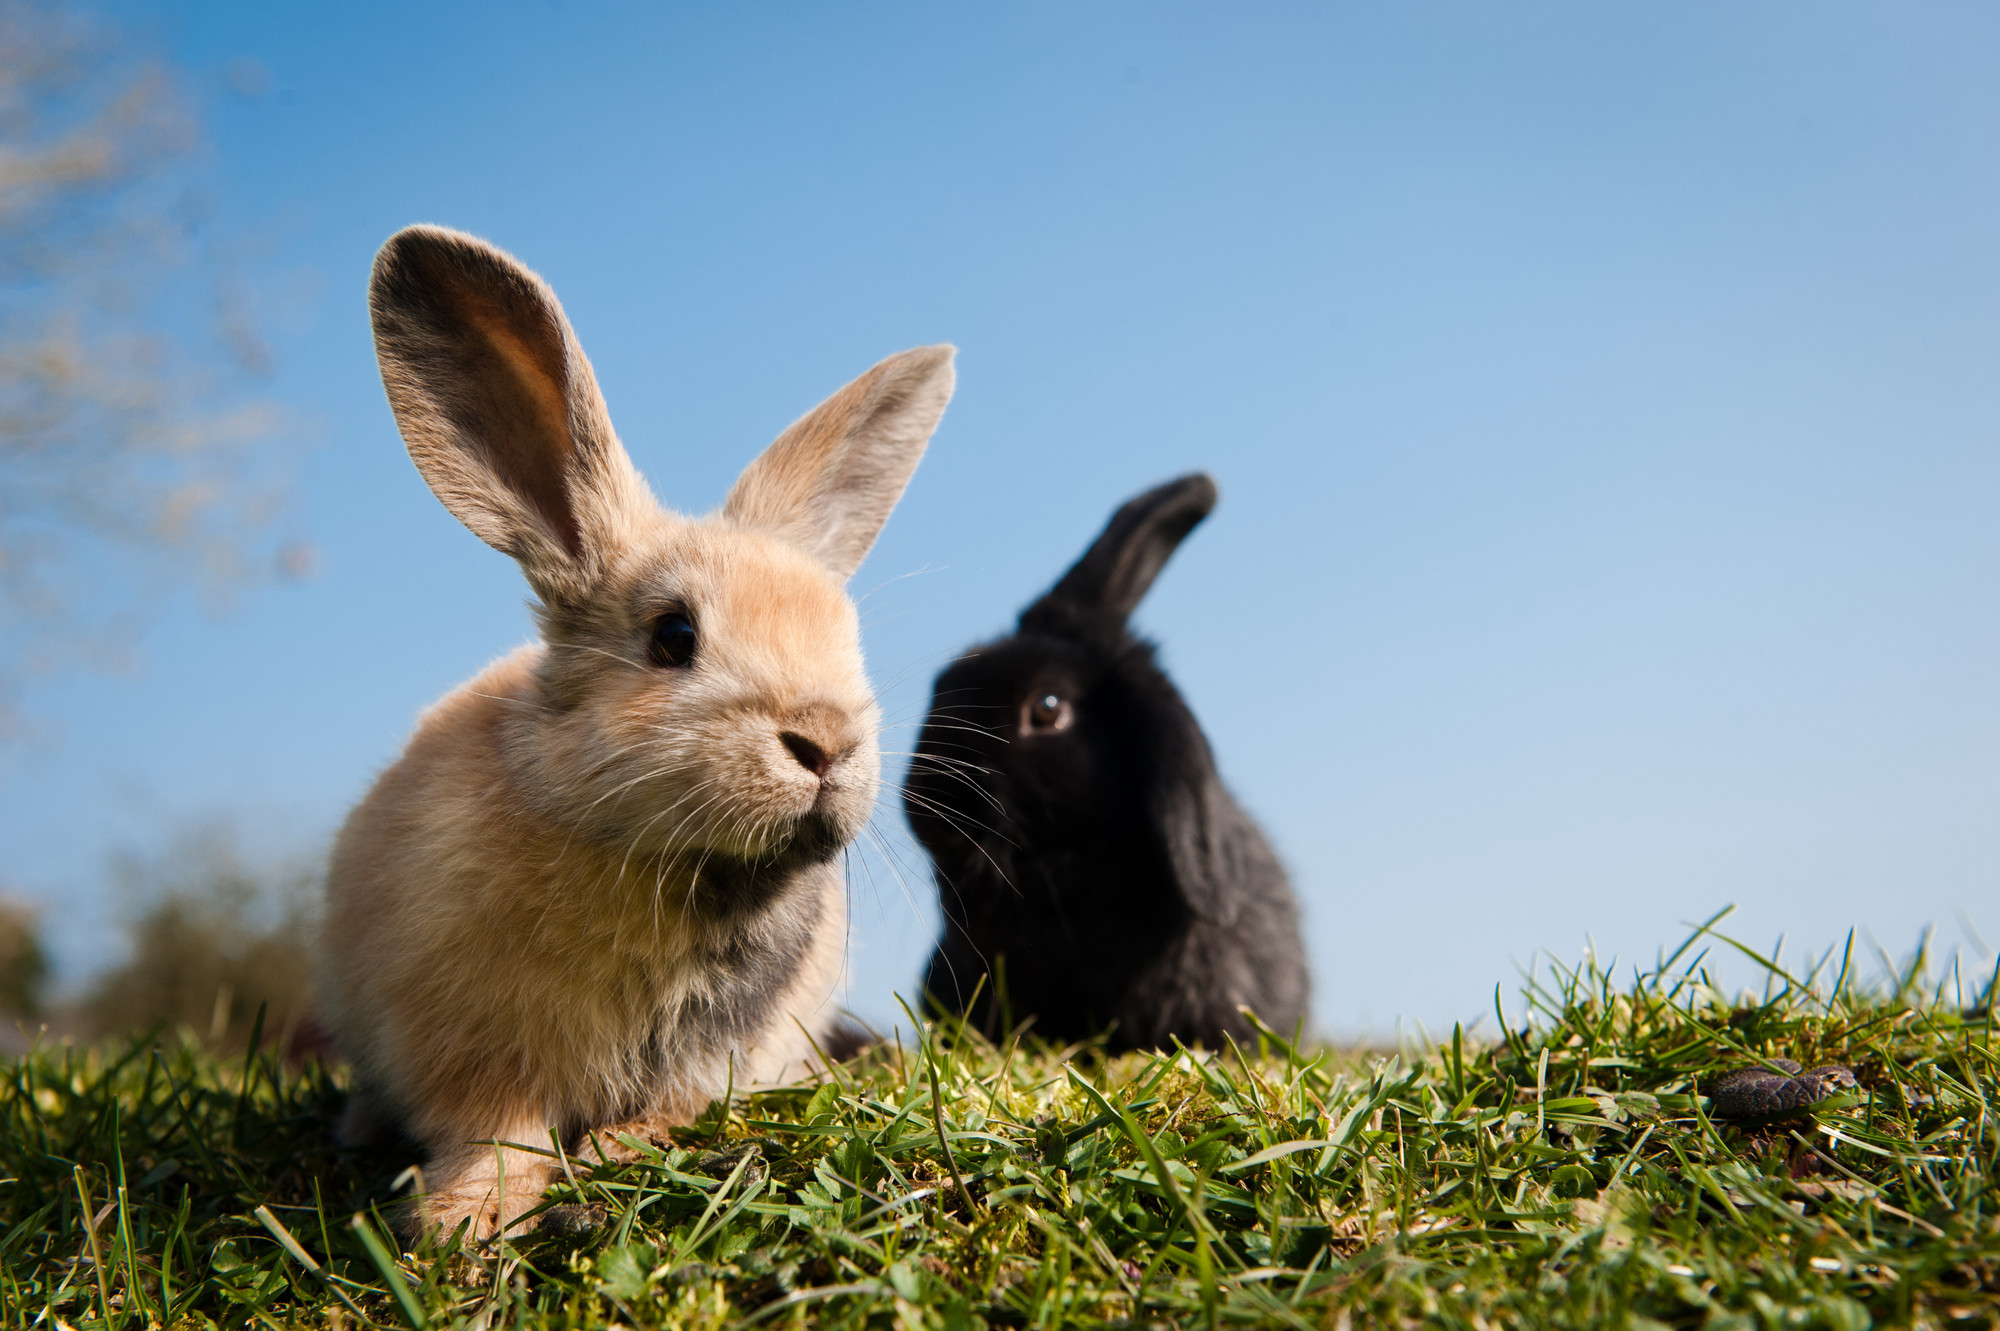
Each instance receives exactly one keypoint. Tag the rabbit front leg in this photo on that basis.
(652, 1124)
(485, 1179)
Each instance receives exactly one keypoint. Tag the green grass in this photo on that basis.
(1564, 1175)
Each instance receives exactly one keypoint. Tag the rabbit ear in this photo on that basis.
(1195, 821)
(499, 408)
(1113, 575)
(828, 482)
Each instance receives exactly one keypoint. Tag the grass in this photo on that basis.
(1564, 1175)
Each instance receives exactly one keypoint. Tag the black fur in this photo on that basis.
(1101, 870)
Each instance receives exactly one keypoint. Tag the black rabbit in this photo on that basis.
(1086, 851)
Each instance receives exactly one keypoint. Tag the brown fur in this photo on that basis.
(595, 889)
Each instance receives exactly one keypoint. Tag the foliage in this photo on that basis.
(214, 938)
(24, 965)
(1567, 1175)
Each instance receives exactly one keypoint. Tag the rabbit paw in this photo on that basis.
(603, 1145)
(491, 1204)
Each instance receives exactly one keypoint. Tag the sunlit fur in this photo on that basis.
(516, 898)
(595, 889)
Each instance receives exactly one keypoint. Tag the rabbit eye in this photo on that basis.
(673, 640)
(1045, 712)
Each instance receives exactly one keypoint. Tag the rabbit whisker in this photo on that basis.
(601, 765)
(932, 723)
(517, 702)
(962, 716)
(941, 696)
(937, 701)
(959, 745)
(890, 860)
(966, 780)
(920, 755)
(621, 788)
(925, 571)
(994, 732)
(673, 836)
(952, 819)
(916, 755)
(586, 647)
(937, 764)
(958, 819)
(958, 769)
(736, 826)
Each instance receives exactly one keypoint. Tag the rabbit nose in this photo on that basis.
(810, 755)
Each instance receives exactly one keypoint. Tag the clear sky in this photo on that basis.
(1605, 401)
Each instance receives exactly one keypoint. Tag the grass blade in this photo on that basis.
(399, 1289)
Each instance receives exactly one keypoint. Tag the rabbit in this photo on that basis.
(602, 882)
(1084, 846)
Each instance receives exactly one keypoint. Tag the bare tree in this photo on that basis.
(132, 459)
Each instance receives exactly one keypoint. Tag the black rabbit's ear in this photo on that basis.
(1195, 822)
(1113, 575)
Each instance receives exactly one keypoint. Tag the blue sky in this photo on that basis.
(1605, 400)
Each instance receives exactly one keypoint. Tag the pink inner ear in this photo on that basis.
(828, 482)
(514, 404)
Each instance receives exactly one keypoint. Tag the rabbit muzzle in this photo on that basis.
(797, 793)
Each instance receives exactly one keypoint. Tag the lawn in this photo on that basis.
(1563, 1174)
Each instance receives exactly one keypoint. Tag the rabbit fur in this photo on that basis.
(602, 881)
(1093, 872)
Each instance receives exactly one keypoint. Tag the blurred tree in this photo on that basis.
(23, 965)
(213, 938)
(130, 460)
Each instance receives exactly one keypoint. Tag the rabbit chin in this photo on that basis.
(729, 883)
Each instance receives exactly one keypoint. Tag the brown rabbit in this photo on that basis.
(602, 880)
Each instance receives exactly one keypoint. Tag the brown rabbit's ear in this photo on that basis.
(499, 407)
(1108, 582)
(828, 482)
